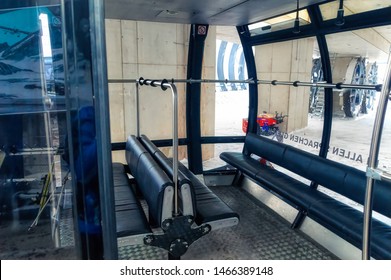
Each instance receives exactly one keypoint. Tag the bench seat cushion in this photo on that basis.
(209, 206)
(347, 222)
(338, 217)
(130, 217)
(289, 189)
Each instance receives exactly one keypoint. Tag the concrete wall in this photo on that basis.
(286, 61)
(157, 51)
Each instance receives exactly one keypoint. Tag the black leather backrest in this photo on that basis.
(297, 162)
(265, 148)
(356, 181)
(345, 180)
(133, 151)
(161, 158)
(147, 143)
(151, 179)
(167, 165)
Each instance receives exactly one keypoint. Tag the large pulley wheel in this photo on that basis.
(354, 100)
(352, 103)
(370, 95)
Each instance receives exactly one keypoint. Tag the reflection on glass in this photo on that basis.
(30, 47)
(291, 115)
(358, 57)
(35, 190)
(385, 152)
(279, 23)
(351, 7)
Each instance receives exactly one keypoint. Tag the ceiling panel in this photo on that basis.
(356, 43)
(213, 12)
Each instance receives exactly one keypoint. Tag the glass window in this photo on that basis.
(293, 115)
(225, 104)
(35, 190)
(287, 114)
(358, 57)
(351, 7)
(384, 152)
(211, 152)
(278, 23)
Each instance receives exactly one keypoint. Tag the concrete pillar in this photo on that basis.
(339, 66)
(286, 61)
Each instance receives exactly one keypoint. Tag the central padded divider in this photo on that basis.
(155, 186)
(209, 207)
(186, 192)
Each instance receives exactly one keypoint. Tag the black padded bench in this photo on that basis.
(207, 207)
(177, 231)
(154, 185)
(333, 214)
(132, 224)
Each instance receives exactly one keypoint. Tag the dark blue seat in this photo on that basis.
(130, 217)
(209, 208)
(338, 217)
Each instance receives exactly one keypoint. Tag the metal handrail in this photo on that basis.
(164, 84)
(251, 81)
(372, 171)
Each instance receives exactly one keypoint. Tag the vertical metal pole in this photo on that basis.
(137, 110)
(373, 161)
(175, 144)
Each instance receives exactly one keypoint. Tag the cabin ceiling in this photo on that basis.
(213, 12)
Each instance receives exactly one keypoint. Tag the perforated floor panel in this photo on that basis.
(261, 234)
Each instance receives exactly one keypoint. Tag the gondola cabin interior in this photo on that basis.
(140, 129)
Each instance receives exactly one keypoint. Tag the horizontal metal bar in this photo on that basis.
(168, 142)
(226, 81)
(222, 139)
(322, 84)
(157, 83)
(33, 151)
(121, 81)
(120, 146)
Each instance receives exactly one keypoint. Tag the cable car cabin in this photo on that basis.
(195, 129)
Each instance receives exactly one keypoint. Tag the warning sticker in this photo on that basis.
(201, 30)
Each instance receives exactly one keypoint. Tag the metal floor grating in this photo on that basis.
(260, 235)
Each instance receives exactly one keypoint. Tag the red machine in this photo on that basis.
(267, 125)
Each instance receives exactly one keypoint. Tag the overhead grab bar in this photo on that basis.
(372, 171)
(164, 84)
(377, 87)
